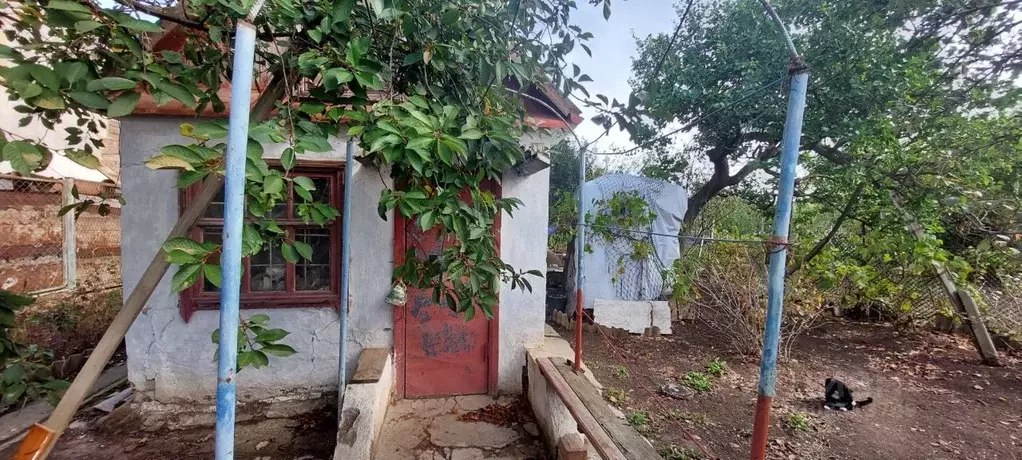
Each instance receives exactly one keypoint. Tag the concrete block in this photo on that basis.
(361, 418)
(633, 316)
(661, 316)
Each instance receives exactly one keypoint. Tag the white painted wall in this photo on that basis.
(171, 361)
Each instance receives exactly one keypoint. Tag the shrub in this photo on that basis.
(697, 381)
(73, 325)
(716, 367)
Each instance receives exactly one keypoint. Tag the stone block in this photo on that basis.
(572, 446)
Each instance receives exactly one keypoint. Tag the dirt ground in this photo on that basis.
(933, 399)
(92, 437)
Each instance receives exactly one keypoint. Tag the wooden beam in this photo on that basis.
(37, 445)
(632, 444)
(963, 304)
(587, 424)
(371, 362)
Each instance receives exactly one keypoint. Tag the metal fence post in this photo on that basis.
(70, 256)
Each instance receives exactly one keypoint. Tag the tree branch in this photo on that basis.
(152, 11)
(818, 248)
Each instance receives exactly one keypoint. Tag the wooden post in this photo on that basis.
(961, 300)
(41, 438)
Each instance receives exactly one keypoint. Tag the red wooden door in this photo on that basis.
(437, 352)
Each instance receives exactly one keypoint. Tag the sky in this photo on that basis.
(613, 47)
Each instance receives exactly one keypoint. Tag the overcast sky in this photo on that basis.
(613, 46)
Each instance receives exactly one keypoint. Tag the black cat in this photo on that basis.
(839, 397)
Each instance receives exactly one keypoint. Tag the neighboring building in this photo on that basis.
(437, 352)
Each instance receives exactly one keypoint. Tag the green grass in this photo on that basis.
(621, 372)
(798, 422)
(697, 381)
(639, 420)
(615, 396)
(673, 452)
(716, 367)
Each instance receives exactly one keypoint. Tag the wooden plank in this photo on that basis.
(632, 444)
(587, 424)
(980, 336)
(370, 365)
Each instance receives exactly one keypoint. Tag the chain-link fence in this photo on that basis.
(43, 252)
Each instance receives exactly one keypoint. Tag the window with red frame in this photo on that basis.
(268, 280)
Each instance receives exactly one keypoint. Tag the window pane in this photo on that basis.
(322, 192)
(267, 269)
(214, 235)
(215, 210)
(314, 275)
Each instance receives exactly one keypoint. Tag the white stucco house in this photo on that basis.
(435, 351)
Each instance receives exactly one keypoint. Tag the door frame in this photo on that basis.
(400, 316)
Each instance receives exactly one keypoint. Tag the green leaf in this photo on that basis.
(74, 71)
(186, 245)
(312, 108)
(24, 156)
(45, 76)
(67, 6)
(180, 257)
(289, 253)
(168, 162)
(123, 105)
(49, 100)
(171, 56)
(176, 91)
(83, 158)
(305, 183)
(271, 335)
(259, 359)
(413, 58)
(87, 26)
(245, 359)
(445, 154)
(471, 134)
(185, 276)
(278, 349)
(259, 318)
(251, 241)
(29, 90)
(183, 152)
(212, 274)
(273, 184)
(110, 83)
(304, 249)
(14, 373)
(90, 100)
(287, 159)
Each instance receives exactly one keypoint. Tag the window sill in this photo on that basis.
(284, 301)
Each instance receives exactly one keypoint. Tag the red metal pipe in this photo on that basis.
(761, 428)
(579, 302)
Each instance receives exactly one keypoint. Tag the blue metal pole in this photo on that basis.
(349, 171)
(778, 247)
(230, 259)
